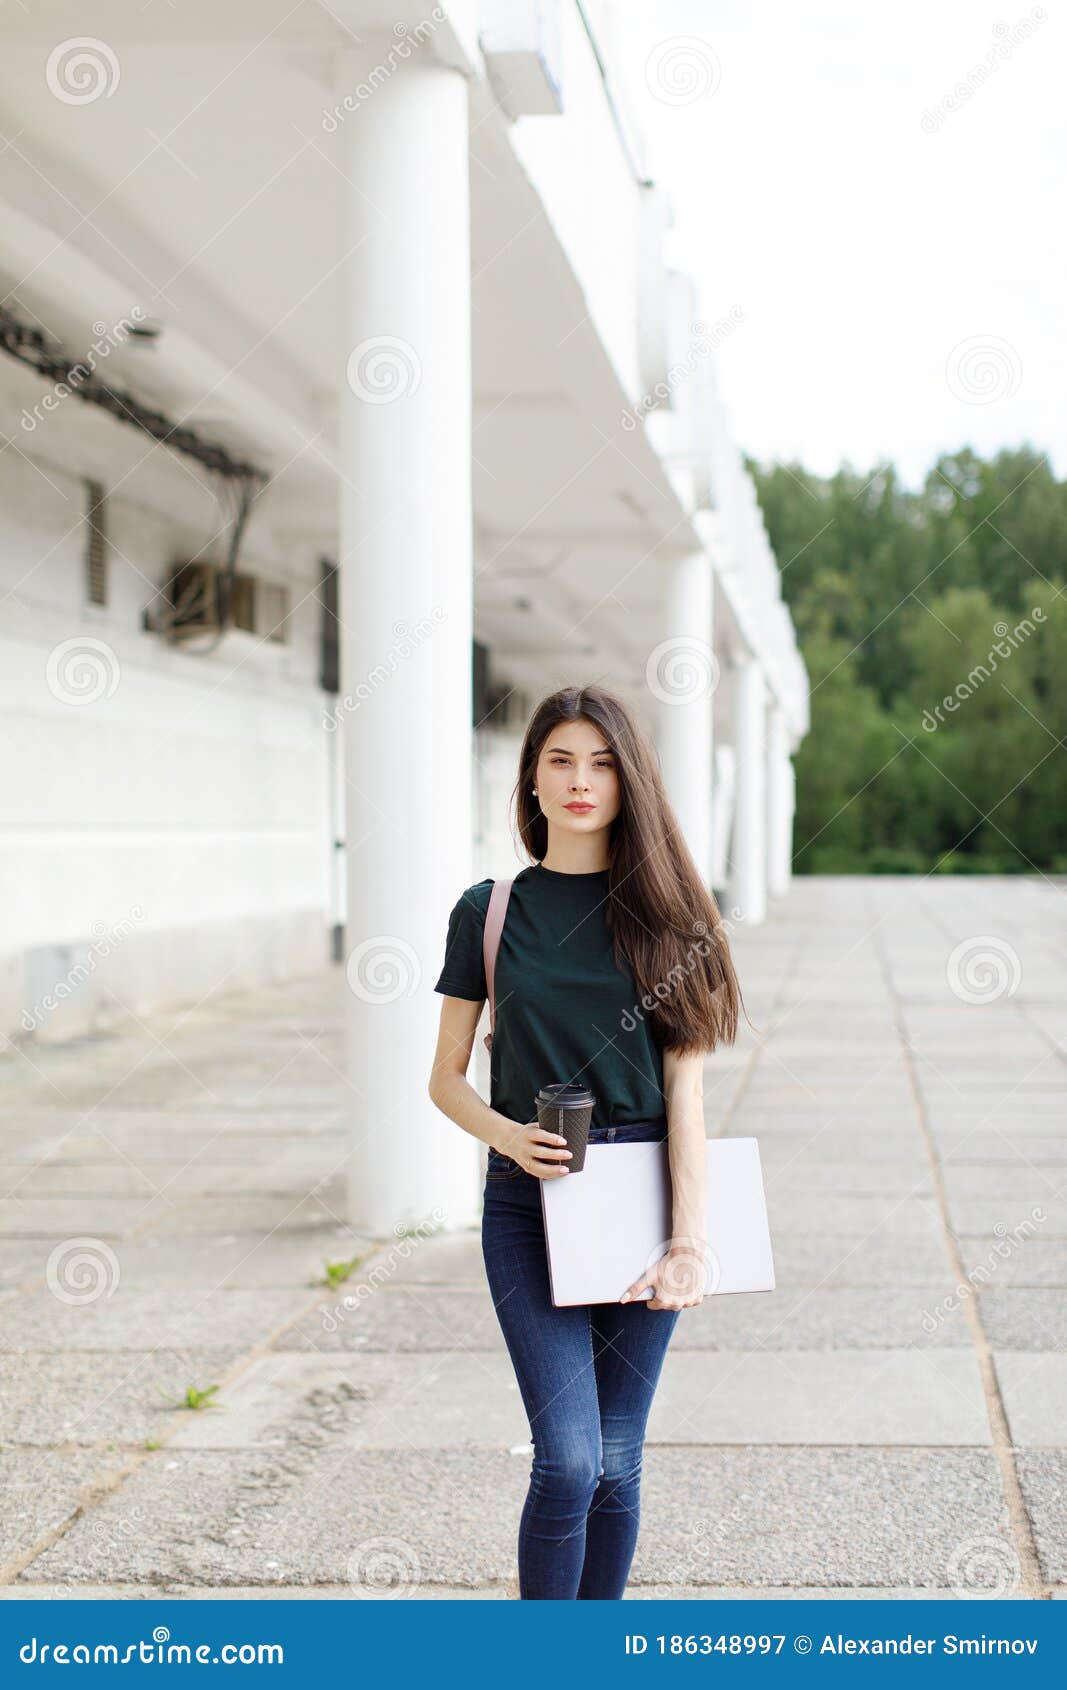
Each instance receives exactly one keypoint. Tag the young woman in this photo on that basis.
(614, 972)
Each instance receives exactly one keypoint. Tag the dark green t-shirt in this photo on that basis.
(564, 1009)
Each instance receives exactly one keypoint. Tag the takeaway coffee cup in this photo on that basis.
(568, 1110)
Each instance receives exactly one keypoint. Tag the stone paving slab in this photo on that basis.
(103, 1125)
(889, 1182)
(958, 1147)
(265, 1176)
(969, 1214)
(1036, 1262)
(1043, 1477)
(794, 1397)
(819, 1259)
(894, 1131)
(847, 1103)
(68, 1217)
(1025, 1320)
(1016, 1183)
(202, 1319)
(396, 1320)
(822, 1147)
(234, 1260)
(1034, 1388)
(1031, 1107)
(285, 1401)
(40, 1489)
(450, 1258)
(827, 1518)
(1012, 1121)
(904, 1219)
(90, 1398)
(260, 1215)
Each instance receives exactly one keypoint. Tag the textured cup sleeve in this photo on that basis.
(463, 973)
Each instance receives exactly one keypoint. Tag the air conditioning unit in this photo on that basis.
(192, 600)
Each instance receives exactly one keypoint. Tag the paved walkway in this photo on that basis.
(892, 1420)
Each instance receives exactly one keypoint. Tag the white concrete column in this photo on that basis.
(685, 677)
(779, 804)
(404, 377)
(748, 892)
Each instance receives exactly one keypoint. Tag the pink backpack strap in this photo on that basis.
(494, 926)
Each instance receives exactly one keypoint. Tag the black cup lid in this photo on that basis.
(565, 1096)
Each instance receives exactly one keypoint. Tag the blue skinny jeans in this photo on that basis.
(587, 1375)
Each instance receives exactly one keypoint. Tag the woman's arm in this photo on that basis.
(683, 1088)
(449, 1087)
(679, 1277)
(537, 1150)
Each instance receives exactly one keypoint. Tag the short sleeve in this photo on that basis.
(463, 973)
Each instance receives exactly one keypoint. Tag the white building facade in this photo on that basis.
(402, 281)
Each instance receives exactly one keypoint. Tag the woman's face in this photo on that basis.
(576, 765)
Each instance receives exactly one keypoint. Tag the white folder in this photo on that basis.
(608, 1223)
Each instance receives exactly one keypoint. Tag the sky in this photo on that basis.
(881, 193)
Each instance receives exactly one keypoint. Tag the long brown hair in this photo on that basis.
(666, 926)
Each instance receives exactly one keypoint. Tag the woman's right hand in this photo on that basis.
(537, 1150)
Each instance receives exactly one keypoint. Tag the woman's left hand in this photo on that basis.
(678, 1279)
